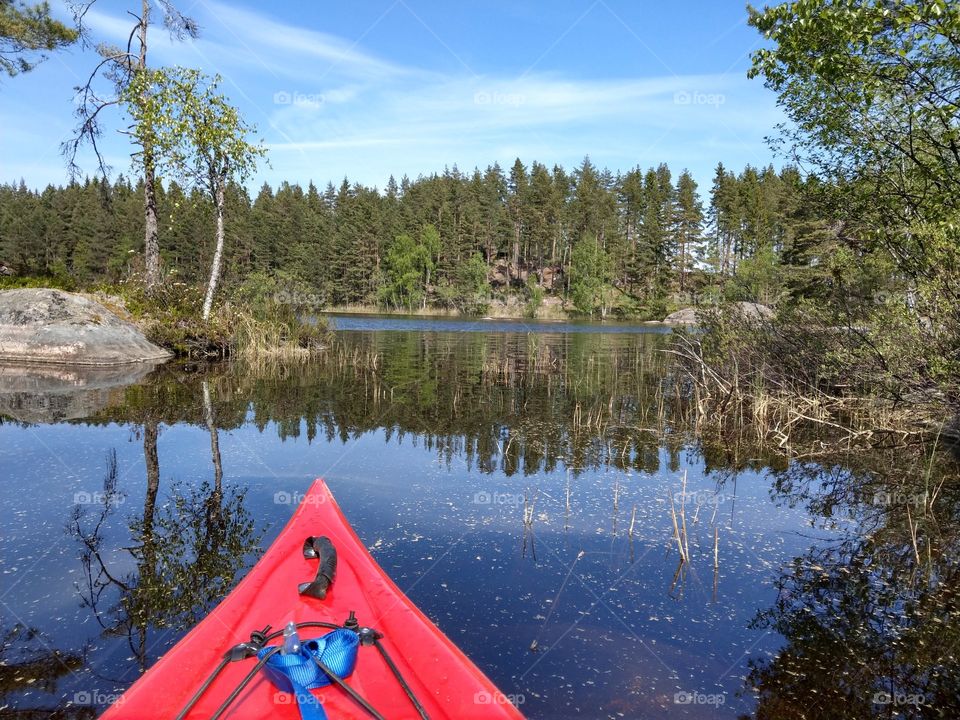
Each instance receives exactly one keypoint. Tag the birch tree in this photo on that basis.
(199, 138)
(117, 69)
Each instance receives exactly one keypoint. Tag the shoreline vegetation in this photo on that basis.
(869, 351)
(529, 243)
(249, 325)
(495, 310)
(740, 382)
(854, 242)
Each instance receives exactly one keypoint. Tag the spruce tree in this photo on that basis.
(687, 222)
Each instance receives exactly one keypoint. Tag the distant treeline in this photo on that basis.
(627, 242)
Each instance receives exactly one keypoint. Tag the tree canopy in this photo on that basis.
(27, 32)
(343, 241)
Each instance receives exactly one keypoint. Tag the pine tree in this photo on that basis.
(87, 234)
(632, 206)
(543, 215)
(496, 221)
(652, 238)
(687, 223)
(26, 33)
(20, 240)
(724, 219)
(517, 205)
(586, 205)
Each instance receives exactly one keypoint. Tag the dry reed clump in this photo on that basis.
(792, 388)
(359, 359)
(255, 338)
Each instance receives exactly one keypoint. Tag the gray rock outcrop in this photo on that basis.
(748, 310)
(53, 326)
(686, 316)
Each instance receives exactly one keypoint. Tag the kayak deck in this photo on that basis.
(442, 678)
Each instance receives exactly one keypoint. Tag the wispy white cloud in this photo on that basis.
(465, 109)
(234, 39)
(348, 111)
(266, 37)
(329, 107)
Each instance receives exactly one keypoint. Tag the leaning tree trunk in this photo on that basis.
(213, 508)
(219, 196)
(214, 442)
(151, 243)
(148, 563)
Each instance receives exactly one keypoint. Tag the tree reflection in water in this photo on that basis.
(29, 662)
(872, 622)
(870, 617)
(185, 553)
(868, 613)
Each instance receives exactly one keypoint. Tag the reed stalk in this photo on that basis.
(676, 529)
(716, 547)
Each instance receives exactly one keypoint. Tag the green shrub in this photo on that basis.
(535, 295)
(59, 282)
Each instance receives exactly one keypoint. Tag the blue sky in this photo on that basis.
(366, 89)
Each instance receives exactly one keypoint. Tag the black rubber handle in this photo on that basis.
(322, 548)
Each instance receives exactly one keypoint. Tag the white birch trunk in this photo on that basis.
(217, 255)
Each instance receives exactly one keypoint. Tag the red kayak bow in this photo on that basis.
(438, 677)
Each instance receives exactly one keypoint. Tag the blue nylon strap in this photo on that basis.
(298, 674)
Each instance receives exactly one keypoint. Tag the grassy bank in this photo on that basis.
(531, 303)
(500, 310)
(248, 321)
(253, 320)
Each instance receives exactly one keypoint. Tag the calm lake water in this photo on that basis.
(516, 480)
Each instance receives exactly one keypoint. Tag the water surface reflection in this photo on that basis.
(522, 488)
